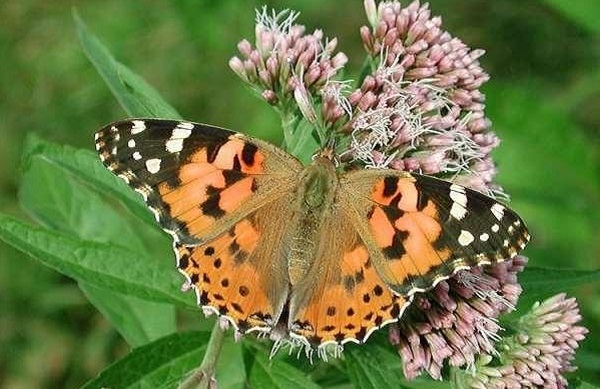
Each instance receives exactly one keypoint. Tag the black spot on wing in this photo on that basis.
(396, 249)
(390, 185)
(211, 206)
(248, 153)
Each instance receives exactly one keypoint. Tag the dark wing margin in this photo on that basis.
(423, 230)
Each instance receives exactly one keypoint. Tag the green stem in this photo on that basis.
(203, 377)
(288, 123)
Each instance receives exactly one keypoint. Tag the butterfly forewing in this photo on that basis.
(198, 179)
(221, 195)
(421, 230)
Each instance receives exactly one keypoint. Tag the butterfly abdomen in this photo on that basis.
(315, 195)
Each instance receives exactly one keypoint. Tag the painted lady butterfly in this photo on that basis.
(269, 243)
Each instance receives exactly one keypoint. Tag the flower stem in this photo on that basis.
(203, 377)
(288, 123)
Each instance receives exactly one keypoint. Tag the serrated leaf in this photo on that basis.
(265, 373)
(134, 94)
(542, 282)
(161, 364)
(99, 264)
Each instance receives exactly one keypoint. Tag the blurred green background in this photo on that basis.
(543, 55)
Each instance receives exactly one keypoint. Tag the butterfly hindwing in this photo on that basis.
(242, 274)
(422, 230)
(342, 298)
(198, 179)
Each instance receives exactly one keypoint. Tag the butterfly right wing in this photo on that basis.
(421, 230)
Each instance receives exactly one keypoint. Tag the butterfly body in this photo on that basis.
(310, 253)
(313, 205)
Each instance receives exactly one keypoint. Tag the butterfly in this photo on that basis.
(321, 255)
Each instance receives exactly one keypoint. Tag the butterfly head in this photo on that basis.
(328, 152)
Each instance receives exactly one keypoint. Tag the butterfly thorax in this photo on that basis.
(316, 190)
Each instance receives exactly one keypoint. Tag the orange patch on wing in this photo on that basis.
(420, 254)
(410, 195)
(405, 187)
(192, 171)
(234, 148)
(352, 307)
(227, 282)
(353, 261)
(234, 195)
(382, 229)
(246, 235)
(227, 154)
(190, 195)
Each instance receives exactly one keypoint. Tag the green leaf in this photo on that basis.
(136, 96)
(99, 264)
(59, 196)
(230, 372)
(265, 373)
(541, 282)
(551, 173)
(160, 364)
(138, 321)
(373, 367)
(584, 13)
(579, 384)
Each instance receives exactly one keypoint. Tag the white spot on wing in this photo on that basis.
(498, 211)
(186, 125)
(459, 205)
(96, 136)
(131, 143)
(137, 156)
(458, 211)
(180, 133)
(138, 126)
(457, 188)
(153, 165)
(495, 228)
(505, 243)
(484, 237)
(465, 238)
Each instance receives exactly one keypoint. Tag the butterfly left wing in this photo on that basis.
(240, 274)
(223, 197)
(197, 179)
(421, 230)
